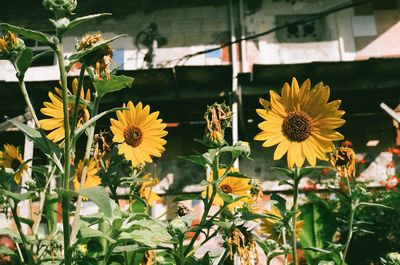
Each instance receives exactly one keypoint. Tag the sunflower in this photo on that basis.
(231, 185)
(92, 180)
(269, 225)
(301, 122)
(139, 133)
(146, 192)
(54, 109)
(12, 158)
(9, 43)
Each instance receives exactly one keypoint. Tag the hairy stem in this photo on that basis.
(351, 221)
(84, 170)
(67, 145)
(28, 102)
(77, 100)
(294, 218)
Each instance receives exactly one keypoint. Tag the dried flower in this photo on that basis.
(343, 159)
(101, 58)
(149, 258)
(218, 117)
(242, 243)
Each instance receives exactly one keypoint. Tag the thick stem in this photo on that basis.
(67, 146)
(294, 218)
(77, 100)
(284, 243)
(28, 102)
(351, 221)
(84, 170)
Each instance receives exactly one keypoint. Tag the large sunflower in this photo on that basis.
(301, 122)
(139, 133)
(231, 185)
(92, 180)
(54, 109)
(12, 158)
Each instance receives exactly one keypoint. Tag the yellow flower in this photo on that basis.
(146, 192)
(54, 109)
(9, 42)
(230, 185)
(344, 160)
(301, 122)
(101, 58)
(139, 133)
(92, 180)
(11, 158)
(268, 225)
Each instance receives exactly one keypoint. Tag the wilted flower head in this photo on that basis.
(149, 258)
(392, 258)
(241, 242)
(218, 118)
(344, 160)
(101, 58)
(60, 7)
(9, 43)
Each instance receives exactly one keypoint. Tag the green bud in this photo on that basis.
(60, 8)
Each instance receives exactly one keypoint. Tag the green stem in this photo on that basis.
(223, 258)
(207, 206)
(294, 218)
(351, 221)
(28, 102)
(77, 100)
(25, 251)
(84, 170)
(67, 145)
(284, 243)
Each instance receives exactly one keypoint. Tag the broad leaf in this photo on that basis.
(186, 197)
(87, 232)
(23, 61)
(99, 196)
(80, 20)
(280, 202)
(195, 159)
(18, 197)
(32, 34)
(283, 171)
(115, 83)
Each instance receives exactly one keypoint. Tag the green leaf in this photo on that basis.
(26, 221)
(307, 170)
(371, 204)
(195, 159)
(238, 175)
(32, 34)
(252, 216)
(87, 232)
(86, 125)
(319, 228)
(6, 251)
(37, 56)
(115, 83)
(280, 202)
(283, 171)
(227, 198)
(128, 248)
(99, 196)
(185, 197)
(84, 19)
(74, 58)
(9, 232)
(23, 61)
(18, 197)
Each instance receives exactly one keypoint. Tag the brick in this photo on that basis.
(170, 14)
(190, 25)
(197, 39)
(215, 24)
(175, 40)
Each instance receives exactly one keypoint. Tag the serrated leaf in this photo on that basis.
(23, 61)
(86, 125)
(99, 196)
(115, 83)
(195, 159)
(282, 171)
(315, 249)
(84, 19)
(280, 202)
(238, 175)
(32, 34)
(186, 197)
(87, 232)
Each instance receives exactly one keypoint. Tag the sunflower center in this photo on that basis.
(297, 126)
(133, 136)
(226, 188)
(15, 164)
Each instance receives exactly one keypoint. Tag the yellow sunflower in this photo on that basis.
(54, 109)
(12, 158)
(301, 122)
(269, 225)
(92, 180)
(230, 185)
(344, 160)
(146, 192)
(139, 133)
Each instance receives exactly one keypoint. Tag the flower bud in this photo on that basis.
(60, 7)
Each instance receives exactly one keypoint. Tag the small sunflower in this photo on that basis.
(301, 122)
(146, 192)
(54, 109)
(139, 134)
(12, 158)
(269, 226)
(343, 159)
(233, 186)
(10, 43)
(92, 180)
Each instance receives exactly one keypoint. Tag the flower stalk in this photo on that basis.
(296, 180)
